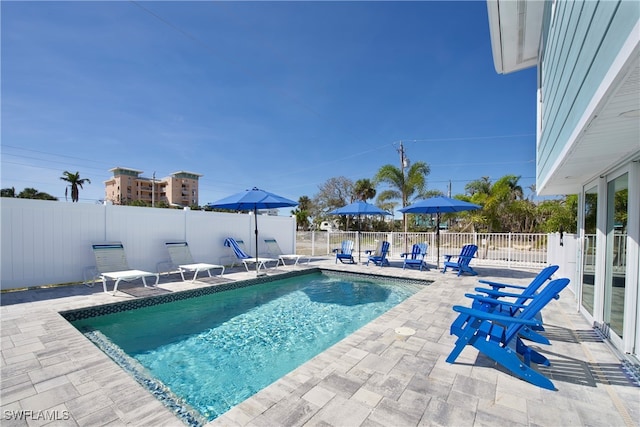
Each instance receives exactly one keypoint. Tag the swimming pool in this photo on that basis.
(214, 351)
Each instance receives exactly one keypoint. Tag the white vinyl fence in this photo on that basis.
(47, 242)
(497, 249)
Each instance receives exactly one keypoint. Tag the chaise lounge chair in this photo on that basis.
(273, 249)
(462, 263)
(498, 336)
(416, 258)
(111, 263)
(379, 256)
(237, 246)
(345, 252)
(181, 257)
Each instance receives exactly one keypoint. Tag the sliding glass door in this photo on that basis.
(589, 250)
(616, 253)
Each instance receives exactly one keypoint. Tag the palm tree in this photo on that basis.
(402, 187)
(302, 212)
(75, 181)
(364, 189)
(482, 185)
(511, 182)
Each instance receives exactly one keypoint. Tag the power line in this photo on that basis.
(469, 138)
(44, 160)
(207, 182)
(47, 153)
(483, 164)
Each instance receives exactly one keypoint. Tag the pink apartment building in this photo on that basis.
(126, 186)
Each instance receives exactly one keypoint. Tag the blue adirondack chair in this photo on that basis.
(345, 252)
(521, 298)
(497, 288)
(416, 258)
(498, 336)
(462, 263)
(379, 256)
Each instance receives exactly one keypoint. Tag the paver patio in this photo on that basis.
(378, 376)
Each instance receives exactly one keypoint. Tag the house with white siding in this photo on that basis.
(587, 55)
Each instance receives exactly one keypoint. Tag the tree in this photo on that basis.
(431, 193)
(364, 189)
(482, 185)
(138, 203)
(334, 193)
(27, 193)
(499, 213)
(32, 193)
(74, 181)
(302, 212)
(402, 186)
(8, 192)
(523, 216)
(556, 215)
(506, 209)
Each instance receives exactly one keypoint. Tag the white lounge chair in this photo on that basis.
(111, 263)
(273, 249)
(237, 246)
(181, 258)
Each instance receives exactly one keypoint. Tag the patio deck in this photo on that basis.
(375, 377)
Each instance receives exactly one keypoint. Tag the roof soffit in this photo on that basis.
(515, 28)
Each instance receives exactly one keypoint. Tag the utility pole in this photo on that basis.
(404, 163)
(153, 190)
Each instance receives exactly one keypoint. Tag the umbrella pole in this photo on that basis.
(255, 215)
(359, 239)
(438, 241)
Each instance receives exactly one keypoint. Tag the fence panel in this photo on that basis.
(46, 242)
(497, 249)
(306, 242)
(517, 249)
(143, 233)
(42, 241)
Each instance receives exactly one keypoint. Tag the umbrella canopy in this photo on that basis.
(439, 205)
(253, 199)
(359, 208)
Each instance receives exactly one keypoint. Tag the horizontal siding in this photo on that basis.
(564, 58)
(582, 42)
(566, 88)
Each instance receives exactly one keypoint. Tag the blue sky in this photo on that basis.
(278, 95)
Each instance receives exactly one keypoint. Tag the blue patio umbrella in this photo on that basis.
(359, 208)
(253, 199)
(439, 205)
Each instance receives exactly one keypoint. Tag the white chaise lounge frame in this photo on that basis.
(180, 255)
(111, 263)
(274, 250)
(246, 259)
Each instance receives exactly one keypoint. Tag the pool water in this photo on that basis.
(217, 350)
